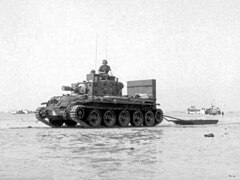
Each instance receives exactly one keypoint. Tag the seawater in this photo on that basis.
(31, 150)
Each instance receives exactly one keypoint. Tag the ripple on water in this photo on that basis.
(44, 152)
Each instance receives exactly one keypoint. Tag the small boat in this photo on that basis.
(213, 110)
(194, 110)
(191, 121)
(195, 122)
(21, 111)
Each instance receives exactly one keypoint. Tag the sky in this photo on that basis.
(191, 48)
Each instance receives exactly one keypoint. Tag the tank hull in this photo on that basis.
(101, 112)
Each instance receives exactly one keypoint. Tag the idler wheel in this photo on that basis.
(124, 118)
(56, 123)
(70, 123)
(158, 116)
(137, 119)
(94, 118)
(149, 119)
(40, 113)
(109, 118)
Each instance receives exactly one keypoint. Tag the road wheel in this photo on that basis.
(94, 118)
(158, 116)
(137, 119)
(77, 112)
(109, 118)
(124, 118)
(149, 119)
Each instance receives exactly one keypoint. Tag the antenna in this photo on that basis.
(106, 42)
(95, 63)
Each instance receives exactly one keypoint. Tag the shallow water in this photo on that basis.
(30, 150)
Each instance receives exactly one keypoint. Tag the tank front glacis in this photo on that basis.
(99, 102)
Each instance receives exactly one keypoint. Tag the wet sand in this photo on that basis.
(167, 151)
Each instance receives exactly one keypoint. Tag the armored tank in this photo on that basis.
(98, 102)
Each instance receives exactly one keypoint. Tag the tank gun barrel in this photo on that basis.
(78, 88)
(67, 88)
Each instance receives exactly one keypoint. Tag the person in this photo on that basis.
(93, 76)
(92, 71)
(104, 69)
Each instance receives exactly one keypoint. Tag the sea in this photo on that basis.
(31, 150)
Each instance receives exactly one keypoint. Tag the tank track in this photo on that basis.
(41, 117)
(108, 118)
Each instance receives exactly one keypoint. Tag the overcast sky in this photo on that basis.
(191, 47)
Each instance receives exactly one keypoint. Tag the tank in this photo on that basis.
(98, 102)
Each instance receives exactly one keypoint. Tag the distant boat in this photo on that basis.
(21, 111)
(194, 110)
(213, 110)
(13, 112)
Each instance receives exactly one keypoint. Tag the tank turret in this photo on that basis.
(98, 102)
(95, 86)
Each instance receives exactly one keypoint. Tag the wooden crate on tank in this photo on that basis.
(142, 87)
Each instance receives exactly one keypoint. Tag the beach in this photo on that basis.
(31, 150)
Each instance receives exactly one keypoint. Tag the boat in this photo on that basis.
(21, 111)
(213, 110)
(191, 121)
(195, 121)
(194, 110)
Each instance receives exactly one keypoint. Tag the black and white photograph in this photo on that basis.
(119, 89)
